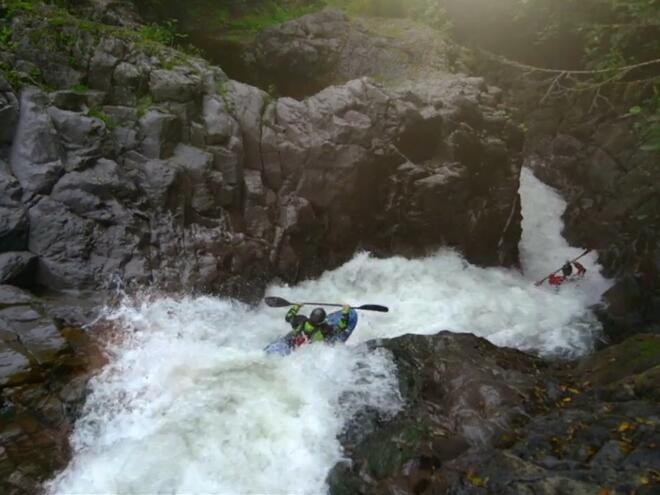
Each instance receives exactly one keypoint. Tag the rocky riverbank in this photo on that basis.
(481, 419)
(45, 362)
(125, 161)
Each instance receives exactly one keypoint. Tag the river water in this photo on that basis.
(190, 404)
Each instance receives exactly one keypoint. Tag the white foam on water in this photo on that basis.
(190, 404)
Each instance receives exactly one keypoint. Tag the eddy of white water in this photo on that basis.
(190, 404)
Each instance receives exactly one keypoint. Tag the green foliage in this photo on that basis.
(647, 121)
(165, 33)
(15, 6)
(12, 76)
(99, 114)
(143, 105)
(614, 33)
(430, 12)
(80, 89)
(6, 37)
(17, 79)
(268, 14)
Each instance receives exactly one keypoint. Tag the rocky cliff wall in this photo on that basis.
(135, 162)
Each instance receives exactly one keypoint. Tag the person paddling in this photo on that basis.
(566, 272)
(315, 328)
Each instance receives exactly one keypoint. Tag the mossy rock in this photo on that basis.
(631, 357)
(387, 451)
(647, 384)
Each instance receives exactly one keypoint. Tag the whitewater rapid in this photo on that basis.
(189, 403)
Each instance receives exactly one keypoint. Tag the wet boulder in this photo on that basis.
(460, 393)
(480, 419)
(63, 242)
(14, 366)
(44, 370)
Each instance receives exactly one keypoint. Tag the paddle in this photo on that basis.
(572, 261)
(278, 302)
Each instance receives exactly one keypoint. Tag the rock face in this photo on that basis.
(164, 171)
(44, 366)
(485, 420)
(303, 56)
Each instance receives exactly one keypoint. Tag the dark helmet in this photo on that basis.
(567, 269)
(317, 317)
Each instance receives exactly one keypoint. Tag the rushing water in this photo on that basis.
(190, 404)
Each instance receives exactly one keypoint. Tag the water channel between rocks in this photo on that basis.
(189, 403)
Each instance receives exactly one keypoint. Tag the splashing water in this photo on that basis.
(190, 404)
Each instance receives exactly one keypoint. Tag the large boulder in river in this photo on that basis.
(480, 419)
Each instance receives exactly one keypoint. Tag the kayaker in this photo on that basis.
(315, 328)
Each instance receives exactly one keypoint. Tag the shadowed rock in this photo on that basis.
(479, 419)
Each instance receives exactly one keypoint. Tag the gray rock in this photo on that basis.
(82, 138)
(160, 133)
(104, 180)
(63, 241)
(254, 187)
(14, 228)
(123, 116)
(198, 167)
(10, 295)
(128, 77)
(126, 139)
(44, 342)
(248, 106)
(157, 178)
(220, 126)
(107, 56)
(76, 101)
(36, 152)
(9, 112)
(173, 85)
(10, 189)
(16, 315)
(14, 366)
(17, 268)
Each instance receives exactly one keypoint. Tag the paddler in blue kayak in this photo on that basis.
(315, 328)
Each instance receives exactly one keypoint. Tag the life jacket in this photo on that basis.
(556, 280)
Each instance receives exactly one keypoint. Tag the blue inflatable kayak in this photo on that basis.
(284, 345)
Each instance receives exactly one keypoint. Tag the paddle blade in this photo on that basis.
(374, 307)
(277, 302)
